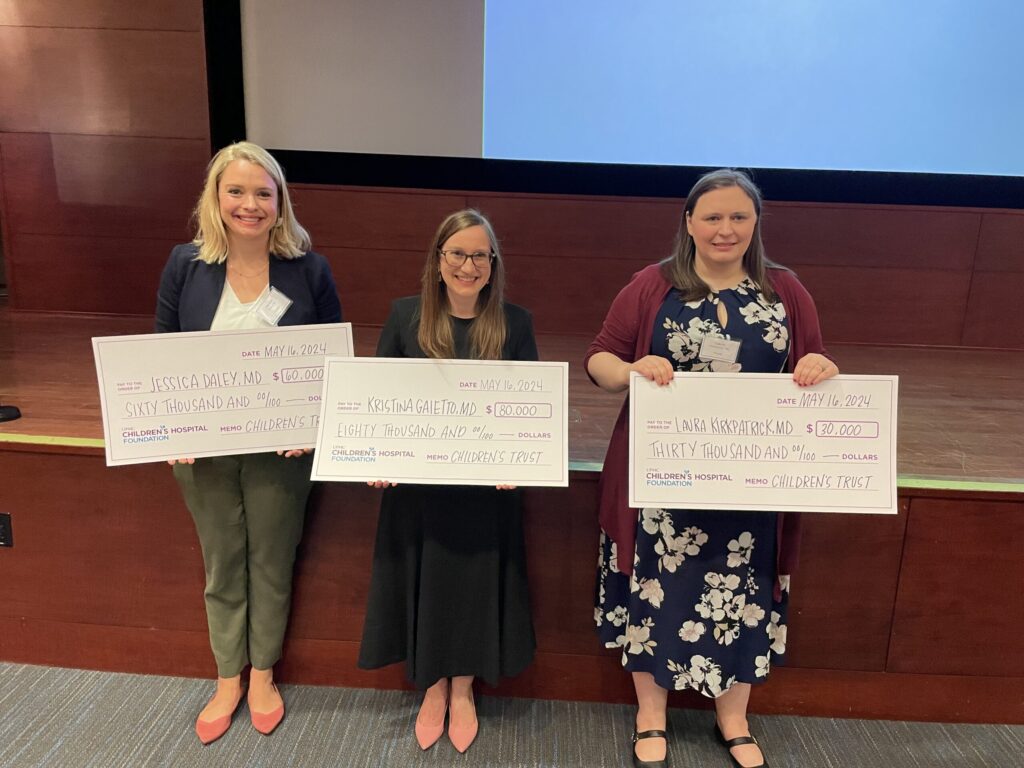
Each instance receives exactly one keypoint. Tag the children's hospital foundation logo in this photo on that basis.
(158, 434)
(684, 478)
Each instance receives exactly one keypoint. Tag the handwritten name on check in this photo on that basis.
(759, 442)
(213, 393)
(452, 422)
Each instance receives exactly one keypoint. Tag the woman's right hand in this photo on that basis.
(172, 462)
(654, 368)
(380, 483)
(611, 373)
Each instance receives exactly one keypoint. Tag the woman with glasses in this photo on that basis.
(694, 599)
(448, 593)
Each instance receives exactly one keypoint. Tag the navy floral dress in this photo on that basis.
(698, 611)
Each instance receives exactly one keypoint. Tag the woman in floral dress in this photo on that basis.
(697, 599)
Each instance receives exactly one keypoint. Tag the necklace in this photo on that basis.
(237, 271)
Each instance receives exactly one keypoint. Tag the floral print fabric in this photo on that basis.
(698, 612)
(760, 324)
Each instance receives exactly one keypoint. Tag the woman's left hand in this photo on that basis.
(505, 487)
(295, 452)
(813, 368)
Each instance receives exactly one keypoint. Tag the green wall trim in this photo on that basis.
(902, 482)
(74, 442)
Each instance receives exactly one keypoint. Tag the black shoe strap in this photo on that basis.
(739, 741)
(649, 735)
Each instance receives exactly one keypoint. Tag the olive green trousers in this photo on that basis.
(249, 511)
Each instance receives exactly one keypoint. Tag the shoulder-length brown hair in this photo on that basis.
(487, 335)
(288, 239)
(679, 268)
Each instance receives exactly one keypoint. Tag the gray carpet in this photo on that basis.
(68, 718)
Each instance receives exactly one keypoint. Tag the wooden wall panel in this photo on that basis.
(101, 546)
(888, 306)
(840, 613)
(96, 645)
(5, 238)
(184, 15)
(932, 698)
(561, 548)
(992, 318)
(114, 82)
(960, 607)
(87, 274)
(66, 184)
(997, 284)
(871, 236)
(1001, 242)
(369, 280)
(568, 294)
(585, 228)
(104, 135)
(880, 275)
(359, 230)
(372, 220)
(332, 575)
(129, 554)
(106, 573)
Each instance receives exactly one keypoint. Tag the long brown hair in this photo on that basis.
(288, 239)
(488, 332)
(679, 268)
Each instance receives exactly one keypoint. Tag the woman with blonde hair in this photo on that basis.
(248, 509)
(448, 593)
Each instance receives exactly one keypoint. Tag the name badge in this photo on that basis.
(718, 348)
(271, 308)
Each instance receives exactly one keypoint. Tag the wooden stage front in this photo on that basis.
(914, 616)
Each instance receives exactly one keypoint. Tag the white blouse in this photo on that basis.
(233, 315)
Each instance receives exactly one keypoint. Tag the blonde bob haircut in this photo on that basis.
(287, 237)
(489, 330)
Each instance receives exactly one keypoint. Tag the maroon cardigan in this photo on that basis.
(627, 333)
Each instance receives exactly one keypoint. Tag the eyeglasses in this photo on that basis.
(456, 257)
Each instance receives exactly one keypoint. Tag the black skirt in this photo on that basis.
(449, 593)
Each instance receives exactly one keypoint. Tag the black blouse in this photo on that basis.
(398, 338)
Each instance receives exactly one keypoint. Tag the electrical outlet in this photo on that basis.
(6, 532)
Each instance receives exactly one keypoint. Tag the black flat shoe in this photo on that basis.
(637, 762)
(739, 741)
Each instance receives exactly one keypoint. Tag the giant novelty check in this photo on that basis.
(452, 422)
(750, 441)
(177, 395)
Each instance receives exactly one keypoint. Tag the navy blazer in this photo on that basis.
(190, 290)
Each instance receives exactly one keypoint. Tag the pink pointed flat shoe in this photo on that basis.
(461, 736)
(266, 722)
(427, 734)
(209, 731)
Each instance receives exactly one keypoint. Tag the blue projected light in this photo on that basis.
(848, 85)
